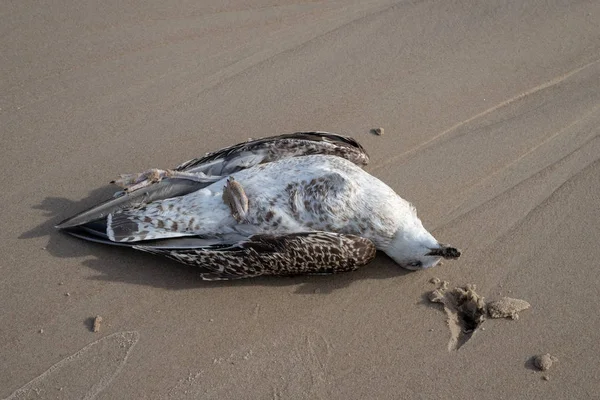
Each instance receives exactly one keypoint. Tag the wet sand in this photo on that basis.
(491, 116)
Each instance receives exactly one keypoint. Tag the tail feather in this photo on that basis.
(90, 235)
(167, 188)
(94, 232)
(135, 227)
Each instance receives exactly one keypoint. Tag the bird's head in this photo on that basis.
(414, 248)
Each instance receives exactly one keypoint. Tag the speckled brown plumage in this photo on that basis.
(277, 148)
(291, 254)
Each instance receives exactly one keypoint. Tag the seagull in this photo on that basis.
(291, 204)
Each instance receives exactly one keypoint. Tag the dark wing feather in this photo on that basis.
(258, 151)
(96, 232)
(290, 254)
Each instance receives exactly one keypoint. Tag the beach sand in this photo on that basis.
(491, 115)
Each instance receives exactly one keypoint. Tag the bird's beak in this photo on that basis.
(445, 251)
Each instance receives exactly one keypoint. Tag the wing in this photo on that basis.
(258, 151)
(290, 254)
(223, 163)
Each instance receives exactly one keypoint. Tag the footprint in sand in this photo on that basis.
(84, 374)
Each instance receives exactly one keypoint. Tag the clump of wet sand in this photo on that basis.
(377, 131)
(467, 310)
(543, 362)
(96, 324)
(506, 307)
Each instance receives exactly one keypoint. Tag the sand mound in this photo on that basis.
(543, 362)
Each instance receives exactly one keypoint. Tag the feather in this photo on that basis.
(245, 155)
(290, 254)
(162, 190)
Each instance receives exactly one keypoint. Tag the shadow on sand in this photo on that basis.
(117, 264)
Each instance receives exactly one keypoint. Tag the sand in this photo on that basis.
(491, 113)
(466, 310)
(97, 323)
(506, 307)
(544, 362)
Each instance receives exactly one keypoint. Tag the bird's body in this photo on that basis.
(318, 203)
(311, 193)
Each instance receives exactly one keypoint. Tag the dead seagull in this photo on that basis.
(284, 205)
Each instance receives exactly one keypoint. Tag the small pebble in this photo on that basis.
(434, 280)
(41, 331)
(546, 378)
(378, 131)
(67, 294)
(211, 320)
